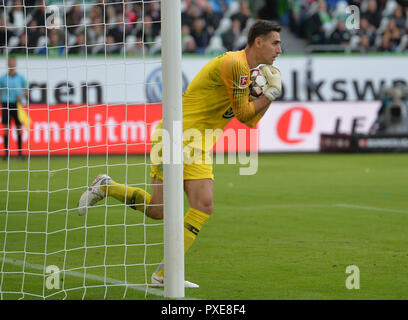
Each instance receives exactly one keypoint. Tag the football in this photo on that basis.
(257, 84)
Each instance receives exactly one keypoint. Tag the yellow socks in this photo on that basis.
(137, 198)
(193, 222)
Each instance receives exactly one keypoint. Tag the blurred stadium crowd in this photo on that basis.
(383, 24)
(57, 27)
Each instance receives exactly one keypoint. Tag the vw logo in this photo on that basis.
(153, 87)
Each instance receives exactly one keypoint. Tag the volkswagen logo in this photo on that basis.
(153, 87)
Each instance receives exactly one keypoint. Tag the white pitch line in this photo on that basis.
(352, 206)
(276, 206)
(141, 287)
(318, 205)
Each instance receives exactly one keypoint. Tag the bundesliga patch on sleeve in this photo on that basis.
(243, 82)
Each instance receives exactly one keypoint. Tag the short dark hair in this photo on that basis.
(261, 28)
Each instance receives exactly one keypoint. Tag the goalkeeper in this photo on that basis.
(219, 92)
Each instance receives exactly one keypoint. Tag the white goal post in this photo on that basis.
(173, 172)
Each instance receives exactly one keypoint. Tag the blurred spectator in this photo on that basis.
(34, 33)
(17, 18)
(21, 47)
(80, 45)
(188, 16)
(39, 14)
(211, 18)
(153, 10)
(319, 24)
(367, 30)
(393, 33)
(117, 28)
(298, 15)
(130, 14)
(399, 17)
(185, 32)
(255, 6)
(189, 45)
(230, 37)
(385, 45)
(366, 27)
(200, 34)
(340, 35)
(110, 15)
(149, 31)
(74, 18)
(30, 6)
(372, 14)
(4, 35)
(95, 14)
(96, 33)
(365, 44)
(112, 47)
(243, 15)
(138, 47)
(54, 45)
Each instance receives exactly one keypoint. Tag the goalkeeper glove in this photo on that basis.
(273, 77)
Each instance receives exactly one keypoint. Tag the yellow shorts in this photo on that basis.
(192, 170)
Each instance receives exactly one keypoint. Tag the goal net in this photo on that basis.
(93, 74)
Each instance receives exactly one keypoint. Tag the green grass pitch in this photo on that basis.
(288, 232)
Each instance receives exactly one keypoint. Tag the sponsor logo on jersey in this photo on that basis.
(228, 114)
(243, 82)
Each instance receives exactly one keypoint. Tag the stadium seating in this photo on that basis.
(209, 26)
(384, 22)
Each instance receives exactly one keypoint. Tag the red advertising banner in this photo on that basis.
(101, 129)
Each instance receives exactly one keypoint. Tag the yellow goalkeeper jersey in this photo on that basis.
(218, 93)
